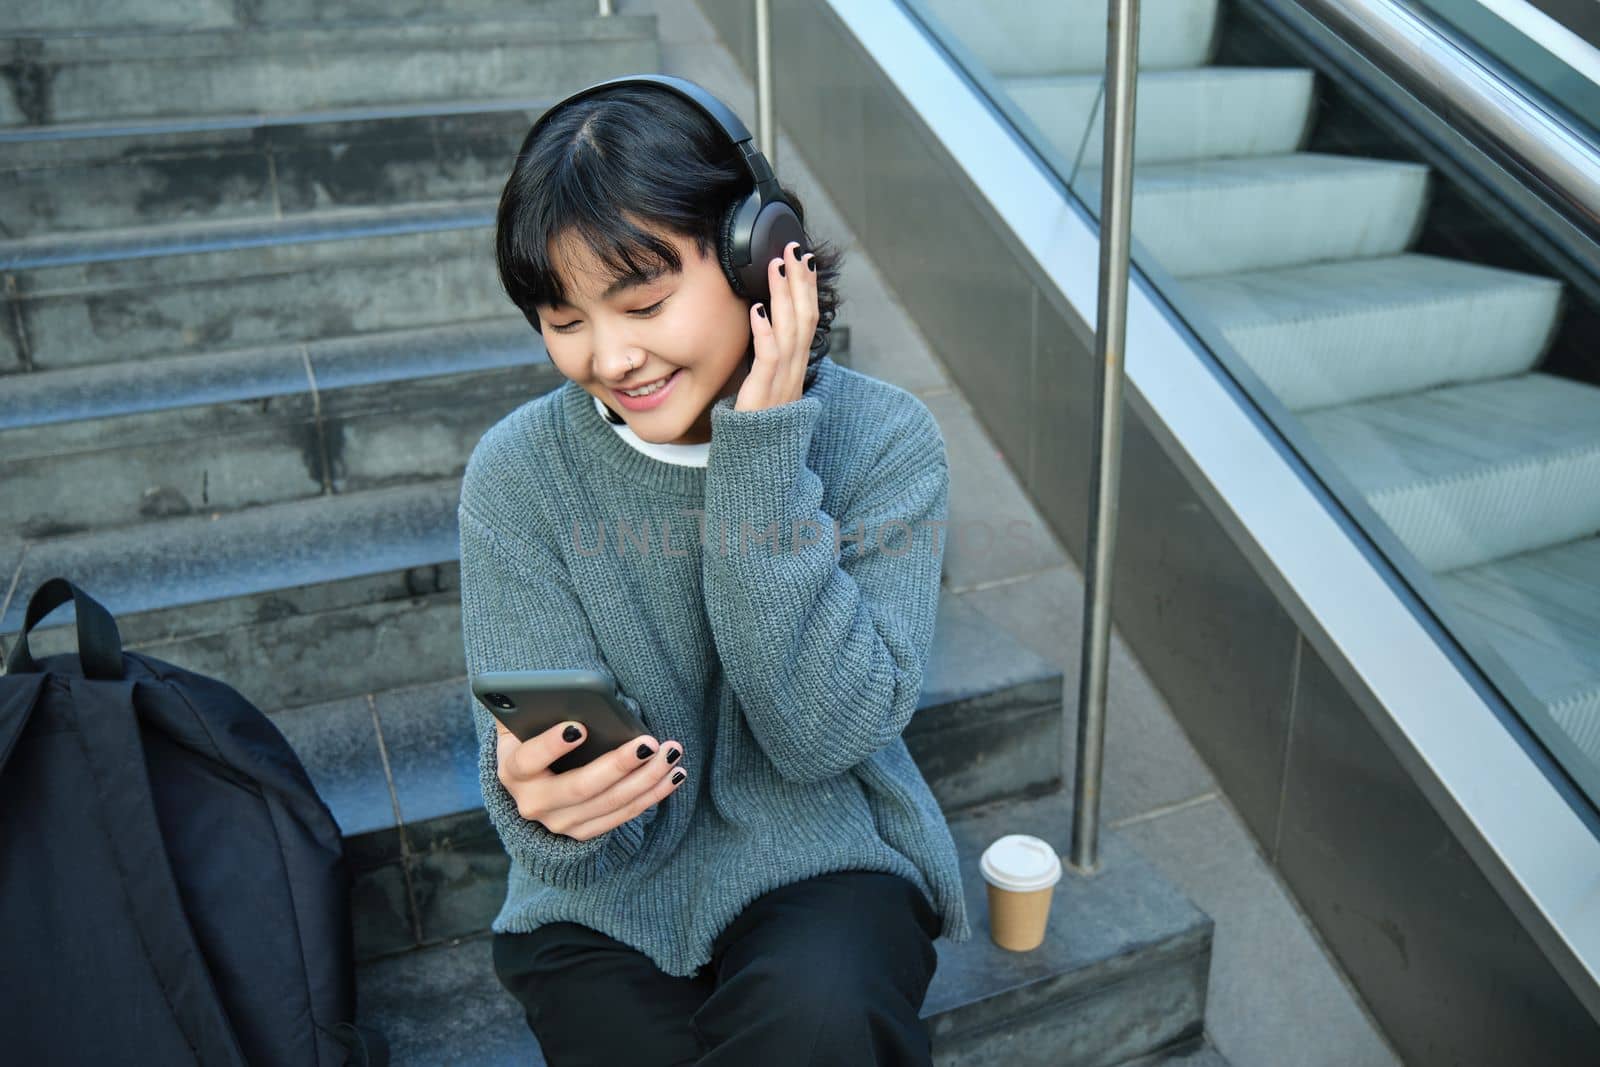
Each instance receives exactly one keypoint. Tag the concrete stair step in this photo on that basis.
(1225, 216)
(102, 391)
(195, 559)
(22, 17)
(1471, 473)
(399, 769)
(1043, 37)
(1540, 612)
(165, 240)
(166, 291)
(337, 417)
(157, 73)
(1200, 113)
(1120, 978)
(1335, 333)
(82, 177)
(273, 14)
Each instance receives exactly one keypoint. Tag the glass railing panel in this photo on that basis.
(1437, 374)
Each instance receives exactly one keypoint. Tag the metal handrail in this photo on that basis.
(766, 130)
(1399, 38)
(1110, 344)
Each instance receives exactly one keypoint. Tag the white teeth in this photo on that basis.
(647, 390)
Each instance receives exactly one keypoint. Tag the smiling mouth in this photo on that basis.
(659, 384)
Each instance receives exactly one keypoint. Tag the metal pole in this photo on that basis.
(606, 8)
(1116, 207)
(766, 132)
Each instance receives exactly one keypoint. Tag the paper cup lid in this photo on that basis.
(1021, 863)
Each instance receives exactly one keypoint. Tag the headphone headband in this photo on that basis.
(715, 110)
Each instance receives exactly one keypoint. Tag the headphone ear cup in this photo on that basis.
(772, 227)
(725, 248)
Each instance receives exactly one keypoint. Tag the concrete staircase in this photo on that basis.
(260, 250)
(1414, 373)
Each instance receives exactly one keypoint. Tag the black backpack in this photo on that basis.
(172, 888)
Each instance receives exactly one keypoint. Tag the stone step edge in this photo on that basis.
(252, 21)
(133, 127)
(133, 44)
(177, 239)
(369, 532)
(199, 379)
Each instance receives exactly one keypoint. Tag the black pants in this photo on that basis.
(828, 970)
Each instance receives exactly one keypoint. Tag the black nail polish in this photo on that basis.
(782, 273)
(571, 733)
(644, 751)
(811, 264)
(760, 310)
(679, 777)
(672, 756)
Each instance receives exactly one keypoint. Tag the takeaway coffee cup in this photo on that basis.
(1021, 872)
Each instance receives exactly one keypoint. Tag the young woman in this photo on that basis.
(752, 551)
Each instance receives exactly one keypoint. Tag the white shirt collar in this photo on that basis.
(687, 455)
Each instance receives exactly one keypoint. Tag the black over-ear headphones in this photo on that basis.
(757, 226)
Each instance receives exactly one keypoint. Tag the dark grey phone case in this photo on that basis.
(530, 702)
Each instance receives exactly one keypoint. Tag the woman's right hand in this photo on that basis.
(585, 801)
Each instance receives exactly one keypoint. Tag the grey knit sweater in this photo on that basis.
(772, 611)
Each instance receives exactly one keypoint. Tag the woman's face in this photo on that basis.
(689, 327)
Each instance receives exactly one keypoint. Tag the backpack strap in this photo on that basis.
(18, 698)
(99, 642)
(107, 728)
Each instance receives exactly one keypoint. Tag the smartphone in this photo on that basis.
(530, 702)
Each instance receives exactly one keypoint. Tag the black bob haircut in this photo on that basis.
(636, 150)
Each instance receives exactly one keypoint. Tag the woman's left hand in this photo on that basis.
(783, 341)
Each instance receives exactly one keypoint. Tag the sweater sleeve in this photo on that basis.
(519, 612)
(823, 626)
